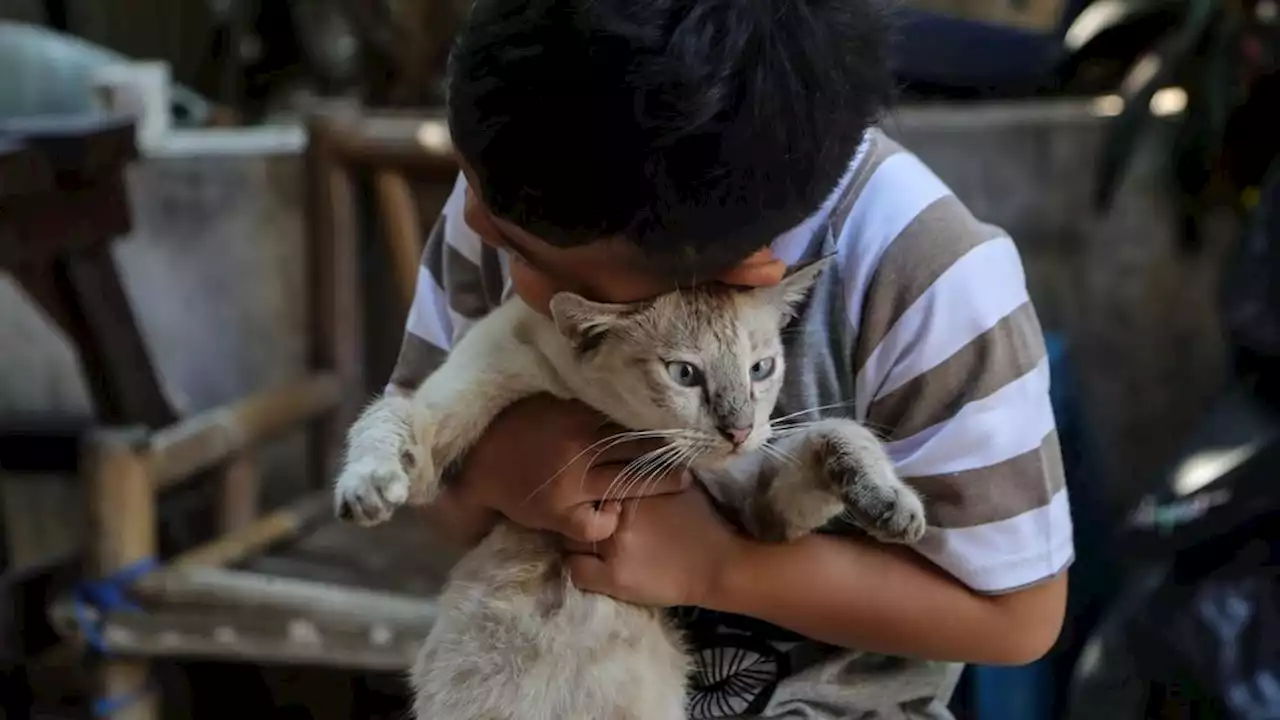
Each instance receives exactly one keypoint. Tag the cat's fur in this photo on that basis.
(514, 639)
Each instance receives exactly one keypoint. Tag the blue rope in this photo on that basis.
(103, 707)
(107, 595)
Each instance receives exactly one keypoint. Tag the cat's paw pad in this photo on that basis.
(368, 492)
(890, 513)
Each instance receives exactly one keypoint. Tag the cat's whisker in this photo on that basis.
(608, 442)
(635, 468)
(617, 439)
(653, 465)
(612, 441)
(880, 432)
(621, 437)
(683, 459)
(793, 428)
(655, 471)
(780, 455)
(816, 408)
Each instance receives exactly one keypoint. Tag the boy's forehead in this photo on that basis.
(611, 269)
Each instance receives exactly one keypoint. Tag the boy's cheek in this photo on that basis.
(534, 288)
(474, 215)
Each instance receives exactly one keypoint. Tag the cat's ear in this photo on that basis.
(787, 295)
(585, 322)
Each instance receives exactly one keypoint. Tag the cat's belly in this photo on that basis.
(514, 640)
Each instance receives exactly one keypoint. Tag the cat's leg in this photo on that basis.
(838, 466)
(381, 455)
(455, 406)
(408, 445)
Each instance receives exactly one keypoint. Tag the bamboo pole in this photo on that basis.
(123, 528)
(238, 499)
(267, 530)
(187, 446)
(399, 211)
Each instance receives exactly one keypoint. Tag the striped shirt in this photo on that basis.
(924, 331)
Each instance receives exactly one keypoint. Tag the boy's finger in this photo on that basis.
(587, 524)
(604, 483)
(575, 547)
(589, 573)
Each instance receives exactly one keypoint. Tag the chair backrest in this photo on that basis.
(400, 161)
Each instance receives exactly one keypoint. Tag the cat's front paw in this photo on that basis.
(890, 514)
(883, 505)
(370, 489)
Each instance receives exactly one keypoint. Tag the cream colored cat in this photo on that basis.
(703, 368)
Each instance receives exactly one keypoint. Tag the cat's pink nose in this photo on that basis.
(737, 436)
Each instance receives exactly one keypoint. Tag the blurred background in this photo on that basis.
(211, 213)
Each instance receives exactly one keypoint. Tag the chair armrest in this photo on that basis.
(215, 436)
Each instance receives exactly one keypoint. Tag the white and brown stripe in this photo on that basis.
(925, 330)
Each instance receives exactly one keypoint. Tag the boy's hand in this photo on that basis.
(534, 467)
(667, 551)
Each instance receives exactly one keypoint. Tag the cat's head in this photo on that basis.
(706, 361)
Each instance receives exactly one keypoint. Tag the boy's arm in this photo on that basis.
(877, 598)
(455, 282)
(952, 367)
(458, 281)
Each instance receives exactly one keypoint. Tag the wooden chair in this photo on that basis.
(293, 586)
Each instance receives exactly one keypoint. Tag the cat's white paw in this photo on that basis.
(369, 490)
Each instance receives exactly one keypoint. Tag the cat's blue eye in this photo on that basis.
(762, 369)
(684, 374)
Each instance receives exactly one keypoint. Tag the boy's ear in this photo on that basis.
(787, 295)
(583, 322)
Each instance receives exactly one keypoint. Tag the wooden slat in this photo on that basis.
(262, 533)
(417, 145)
(319, 602)
(249, 634)
(335, 334)
(212, 437)
(238, 501)
(77, 147)
(402, 556)
(122, 376)
(400, 226)
(23, 171)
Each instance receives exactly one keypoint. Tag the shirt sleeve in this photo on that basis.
(460, 280)
(953, 372)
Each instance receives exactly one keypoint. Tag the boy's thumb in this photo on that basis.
(588, 572)
(585, 523)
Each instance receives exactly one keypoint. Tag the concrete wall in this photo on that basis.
(213, 268)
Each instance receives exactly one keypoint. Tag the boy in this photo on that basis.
(618, 147)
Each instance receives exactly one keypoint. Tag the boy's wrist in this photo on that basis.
(730, 585)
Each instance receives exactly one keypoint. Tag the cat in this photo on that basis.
(702, 367)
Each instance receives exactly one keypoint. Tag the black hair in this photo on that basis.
(697, 129)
